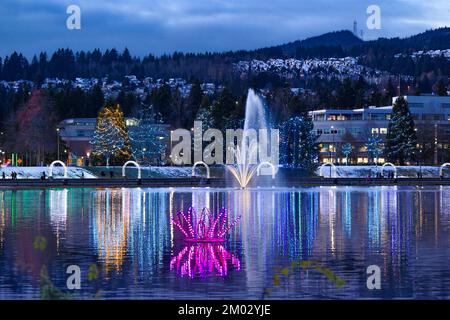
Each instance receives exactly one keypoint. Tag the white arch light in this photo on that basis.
(265, 163)
(328, 164)
(389, 164)
(441, 170)
(200, 163)
(133, 163)
(50, 169)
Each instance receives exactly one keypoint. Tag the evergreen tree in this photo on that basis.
(298, 144)
(389, 93)
(441, 89)
(107, 139)
(95, 100)
(401, 137)
(111, 139)
(193, 103)
(374, 149)
(161, 99)
(346, 95)
(297, 106)
(147, 138)
(347, 150)
(204, 114)
(223, 108)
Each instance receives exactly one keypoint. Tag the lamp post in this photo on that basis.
(143, 154)
(170, 151)
(333, 146)
(57, 139)
(435, 144)
(88, 157)
(334, 149)
(420, 155)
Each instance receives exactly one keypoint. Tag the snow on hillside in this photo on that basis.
(326, 67)
(36, 172)
(431, 53)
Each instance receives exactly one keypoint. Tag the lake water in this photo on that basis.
(289, 243)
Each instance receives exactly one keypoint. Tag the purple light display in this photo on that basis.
(204, 228)
(203, 259)
(204, 253)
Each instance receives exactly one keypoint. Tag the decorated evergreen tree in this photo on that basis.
(347, 150)
(147, 138)
(401, 138)
(111, 136)
(374, 144)
(205, 115)
(107, 140)
(298, 144)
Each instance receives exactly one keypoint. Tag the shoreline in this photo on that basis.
(214, 182)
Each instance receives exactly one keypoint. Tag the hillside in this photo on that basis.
(379, 54)
(344, 39)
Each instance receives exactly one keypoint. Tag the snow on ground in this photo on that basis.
(146, 172)
(36, 172)
(363, 171)
(169, 171)
(174, 172)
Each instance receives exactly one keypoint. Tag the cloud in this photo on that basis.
(161, 26)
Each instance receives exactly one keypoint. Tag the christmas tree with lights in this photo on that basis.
(298, 144)
(111, 140)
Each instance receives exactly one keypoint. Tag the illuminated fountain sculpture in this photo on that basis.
(206, 228)
(204, 253)
(203, 259)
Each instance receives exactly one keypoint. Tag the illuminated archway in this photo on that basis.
(200, 163)
(389, 164)
(133, 163)
(441, 170)
(265, 163)
(50, 169)
(325, 165)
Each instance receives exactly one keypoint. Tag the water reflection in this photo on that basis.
(128, 233)
(203, 259)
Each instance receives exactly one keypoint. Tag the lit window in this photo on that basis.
(383, 130)
(362, 160)
(375, 131)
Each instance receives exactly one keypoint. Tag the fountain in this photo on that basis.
(243, 170)
(246, 155)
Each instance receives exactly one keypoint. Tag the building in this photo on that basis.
(78, 133)
(336, 127)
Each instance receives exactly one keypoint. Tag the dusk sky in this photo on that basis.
(163, 26)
